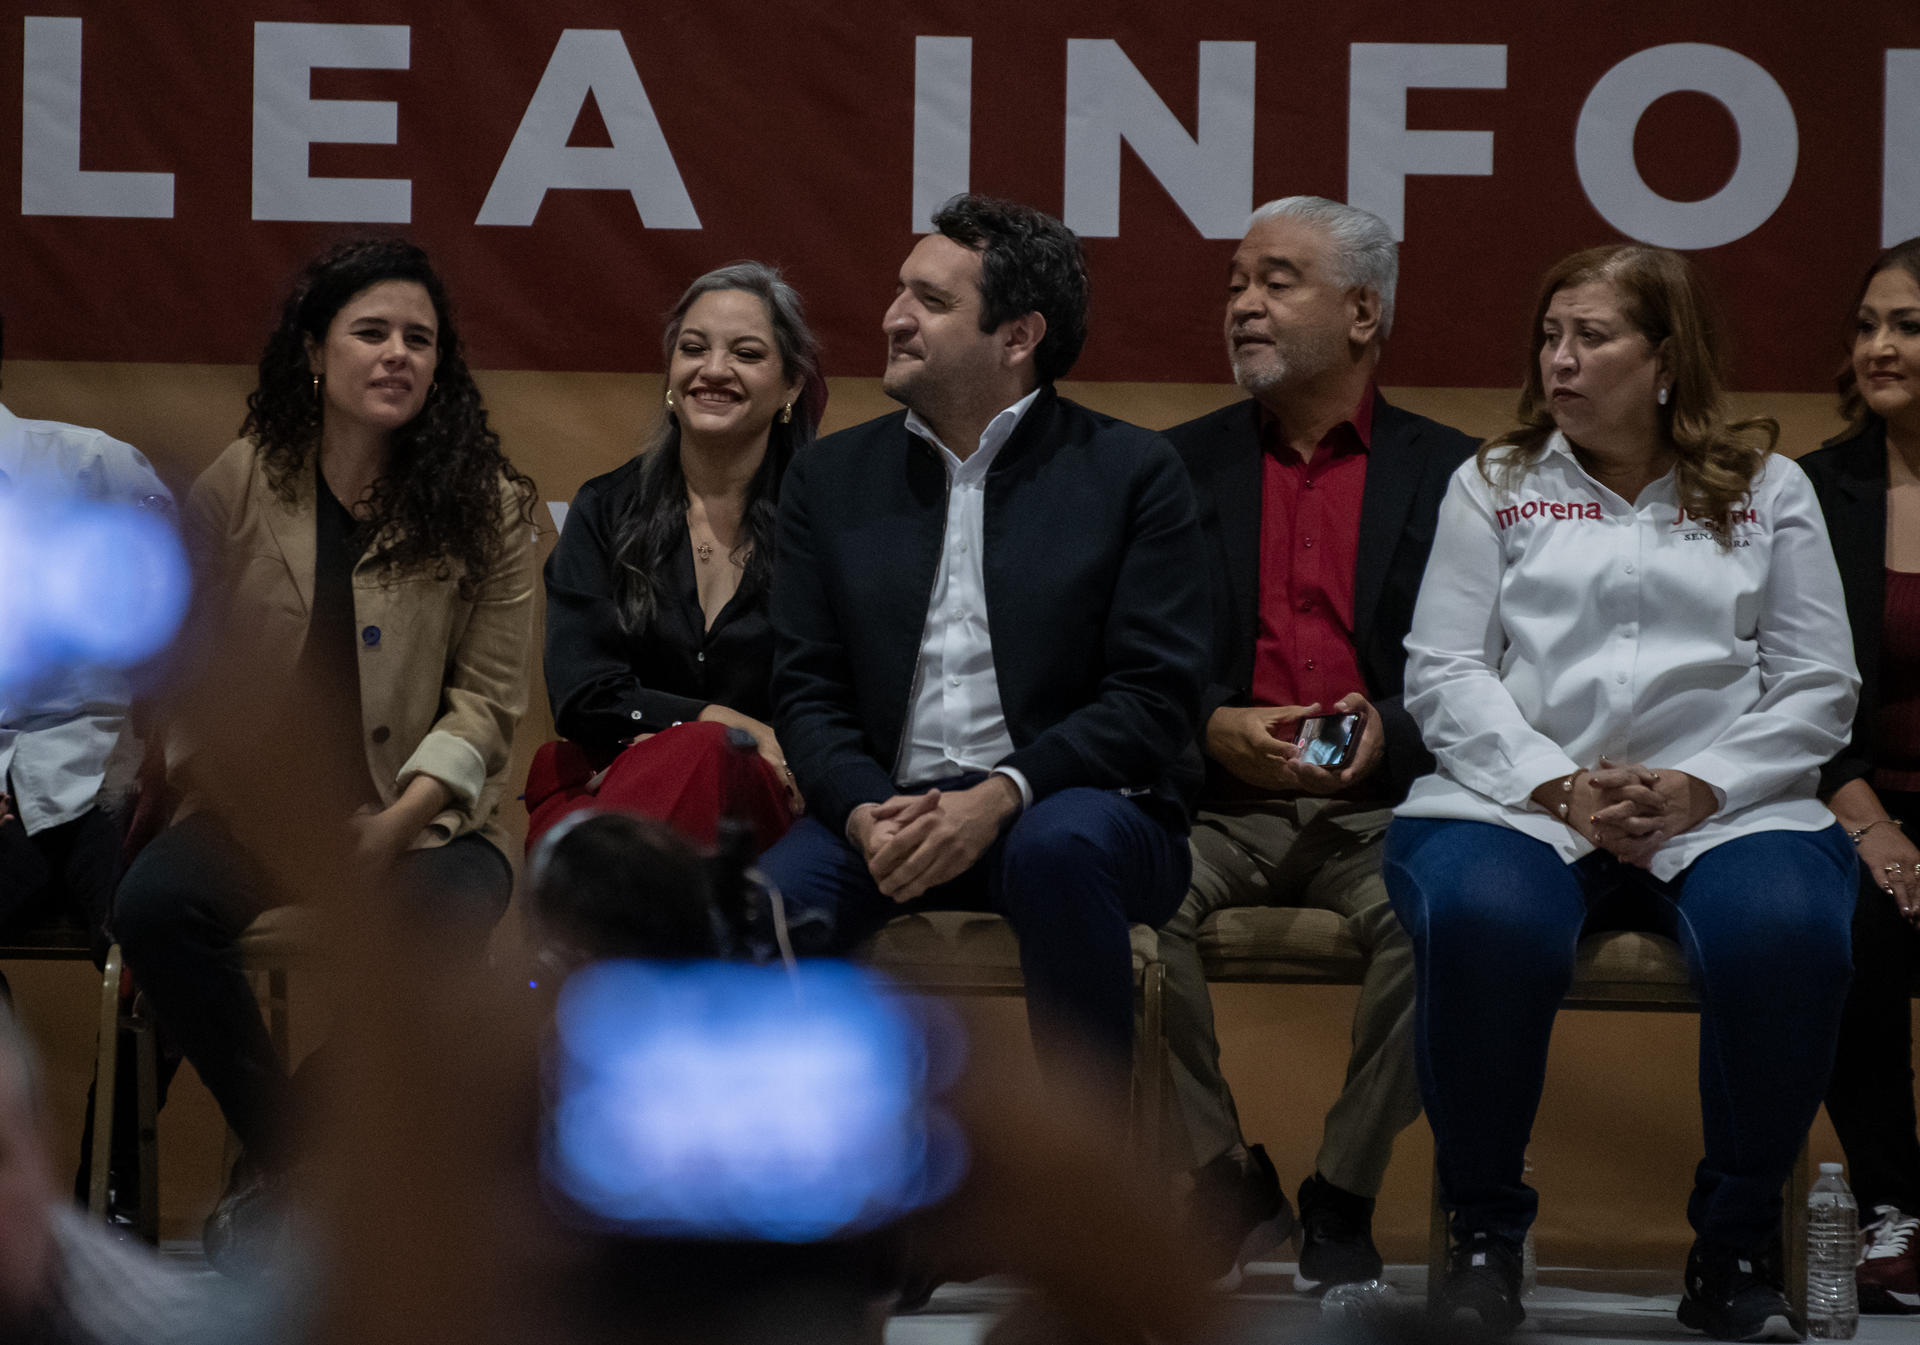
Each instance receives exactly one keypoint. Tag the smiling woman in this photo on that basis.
(658, 644)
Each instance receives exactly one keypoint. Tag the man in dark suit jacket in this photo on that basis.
(990, 624)
(1318, 498)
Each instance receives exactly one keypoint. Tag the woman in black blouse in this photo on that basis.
(1868, 481)
(658, 641)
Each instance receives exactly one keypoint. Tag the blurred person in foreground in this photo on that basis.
(60, 823)
(1868, 481)
(362, 627)
(1630, 659)
(443, 1089)
(991, 634)
(68, 751)
(66, 1280)
(1318, 497)
(657, 641)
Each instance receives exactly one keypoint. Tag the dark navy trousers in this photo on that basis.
(1070, 874)
(1495, 917)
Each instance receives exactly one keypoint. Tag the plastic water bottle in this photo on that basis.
(1833, 1248)
(1359, 1305)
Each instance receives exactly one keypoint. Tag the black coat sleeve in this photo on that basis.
(597, 694)
(1156, 647)
(815, 706)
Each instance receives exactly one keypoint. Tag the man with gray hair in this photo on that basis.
(1318, 499)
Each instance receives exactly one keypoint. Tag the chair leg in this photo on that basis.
(1151, 1069)
(147, 1068)
(106, 1074)
(1437, 1237)
(1793, 1217)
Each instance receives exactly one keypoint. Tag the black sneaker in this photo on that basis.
(1239, 1214)
(1336, 1238)
(1483, 1280)
(1736, 1296)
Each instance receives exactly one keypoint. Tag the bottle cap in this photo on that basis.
(1831, 1169)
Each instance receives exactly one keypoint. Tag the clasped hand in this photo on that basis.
(915, 842)
(1632, 810)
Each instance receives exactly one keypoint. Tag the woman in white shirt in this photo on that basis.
(1630, 658)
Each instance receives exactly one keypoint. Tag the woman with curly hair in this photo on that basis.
(1630, 660)
(659, 649)
(365, 558)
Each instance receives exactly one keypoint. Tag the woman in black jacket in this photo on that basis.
(1868, 481)
(658, 647)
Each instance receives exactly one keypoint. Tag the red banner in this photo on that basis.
(573, 164)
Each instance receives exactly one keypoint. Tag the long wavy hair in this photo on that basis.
(1905, 256)
(653, 523)
(438, 506)
(1661, 295)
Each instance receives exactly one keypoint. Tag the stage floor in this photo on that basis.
(1570, 1307)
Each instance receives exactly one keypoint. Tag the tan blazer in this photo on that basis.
(446, 681)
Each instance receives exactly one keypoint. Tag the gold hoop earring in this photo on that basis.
(786, 414)
(669, 400)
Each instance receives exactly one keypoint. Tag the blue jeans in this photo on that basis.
(1764, 922)
(1070, 874)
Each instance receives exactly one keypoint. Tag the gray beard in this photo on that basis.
(1270, 375)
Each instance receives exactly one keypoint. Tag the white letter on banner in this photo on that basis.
(1769, 146)
(590, 60)
(287, 120)
(1209, 174)
(1381, 152)
(52, 182)
(942, 123)
(1900, 174)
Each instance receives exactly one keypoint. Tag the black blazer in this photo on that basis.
(1849, 474)
(1096, 594)
(1409, 462)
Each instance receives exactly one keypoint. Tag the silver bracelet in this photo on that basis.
(1856, 834)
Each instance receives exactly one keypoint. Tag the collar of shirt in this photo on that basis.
(1658, 489)
(1354, 434)
(992, 439)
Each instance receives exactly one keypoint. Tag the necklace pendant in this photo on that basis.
(703, 551)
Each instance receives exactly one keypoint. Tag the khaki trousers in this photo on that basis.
(1309, 852)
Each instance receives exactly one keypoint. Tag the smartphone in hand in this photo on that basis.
(1329, 740)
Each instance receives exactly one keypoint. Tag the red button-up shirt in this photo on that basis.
(1309, 542)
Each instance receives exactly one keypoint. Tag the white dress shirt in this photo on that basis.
(1557, 622)
(956, 723)
(56, 736)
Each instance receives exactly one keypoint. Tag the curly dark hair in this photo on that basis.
(1029, 263)
(654, 520)
(438, 505)
(1903, 256)
(1662, 295)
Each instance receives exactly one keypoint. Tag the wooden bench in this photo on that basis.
(966, 953)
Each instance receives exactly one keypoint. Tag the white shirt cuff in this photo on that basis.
(1020, 783)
